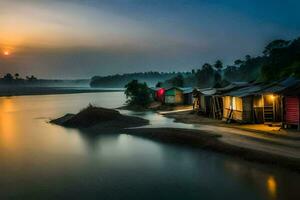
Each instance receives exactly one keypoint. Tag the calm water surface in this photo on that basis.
(43, 161)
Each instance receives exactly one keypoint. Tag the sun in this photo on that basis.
(6, 53)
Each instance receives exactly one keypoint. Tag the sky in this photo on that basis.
(81, 38)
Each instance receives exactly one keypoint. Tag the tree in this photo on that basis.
(218, 79)
(231, 73)
(218, 65)
(282, 60)
(17, 76)
(206, 66)
(177, 81)
(247, 57)
(276, 44)
(31, 78)
(238, 62)
(158, 84)
(205, 76)
(8, 77)
(137, 93)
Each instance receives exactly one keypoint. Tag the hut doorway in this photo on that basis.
(272, 108)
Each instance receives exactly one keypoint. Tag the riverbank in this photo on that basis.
(157, 107)
(224, 140)
(21, 91)
(214, 142)
(189, 117)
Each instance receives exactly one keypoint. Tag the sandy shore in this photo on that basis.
(212, 141)
(245, 145)
(188, 117)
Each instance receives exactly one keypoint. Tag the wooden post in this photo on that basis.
(281, 110)
(263, 106)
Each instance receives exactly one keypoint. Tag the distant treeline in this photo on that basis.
(279, 59)
(151, 78)
(16, 80)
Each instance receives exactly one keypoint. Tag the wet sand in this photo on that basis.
(213, 141)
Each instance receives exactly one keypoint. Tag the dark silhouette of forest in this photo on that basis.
(151, 78)
(16, 80)
(9, 79)
(279, 59)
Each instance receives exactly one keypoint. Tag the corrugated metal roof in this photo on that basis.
(188, 90)
(184, 90)
(291, 91)
(280, 86)
(245, 91)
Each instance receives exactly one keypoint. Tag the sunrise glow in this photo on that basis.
(6, 53)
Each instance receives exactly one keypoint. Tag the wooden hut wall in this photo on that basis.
(216, 107)
(188, 98)
(174, 96)
(236, 105)
(291, 116)
(258, 109)
(278, 106)
(247, 103)
(202, 104)
(179, 99)
(226, 106)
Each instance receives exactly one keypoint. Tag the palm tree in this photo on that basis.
(218, 65)
(17, 76)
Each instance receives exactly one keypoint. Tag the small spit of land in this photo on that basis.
(97, 119)
(239, 143)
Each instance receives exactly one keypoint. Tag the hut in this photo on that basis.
(158, 94)
(202, 102)
(188, 96)
(291, 106)
(209, 101)
(258, 102)
(269, 103)
(291, 114)
(177, 95)
(238, 104)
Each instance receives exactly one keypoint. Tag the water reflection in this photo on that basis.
(8, 123)
(272, 187)
(46, 159)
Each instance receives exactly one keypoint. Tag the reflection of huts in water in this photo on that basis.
(178, 95)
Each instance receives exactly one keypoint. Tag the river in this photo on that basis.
(39, 160)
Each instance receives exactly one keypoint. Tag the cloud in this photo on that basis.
(85, 37)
